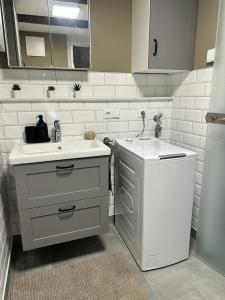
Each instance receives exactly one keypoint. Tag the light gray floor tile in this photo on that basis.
(191, 279)
(188, 280)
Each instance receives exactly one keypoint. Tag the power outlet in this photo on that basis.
(111, 114)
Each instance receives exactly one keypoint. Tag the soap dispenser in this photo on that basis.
(42, 130)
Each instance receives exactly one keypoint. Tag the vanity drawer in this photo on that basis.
(63, 222)
(55, 182)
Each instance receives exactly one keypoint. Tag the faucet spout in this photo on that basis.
(158, 127)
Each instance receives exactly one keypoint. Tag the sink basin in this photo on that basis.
(25, 154)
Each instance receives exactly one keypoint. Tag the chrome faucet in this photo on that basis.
(158, 127)
(57, 131)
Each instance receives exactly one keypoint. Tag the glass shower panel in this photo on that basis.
(211, 231)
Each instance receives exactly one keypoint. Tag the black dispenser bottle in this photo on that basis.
(42, 130)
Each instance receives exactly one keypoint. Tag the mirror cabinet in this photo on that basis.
(47, 33)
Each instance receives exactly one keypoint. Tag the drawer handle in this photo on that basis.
(156, 47)
(67, 210)
(65, 168)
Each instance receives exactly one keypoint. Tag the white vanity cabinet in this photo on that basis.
(163, 35)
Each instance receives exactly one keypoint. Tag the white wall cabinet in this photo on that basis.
(163, 35)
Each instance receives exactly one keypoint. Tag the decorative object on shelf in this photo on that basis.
(51, 92)
(15, 93)
(76, 90)
(89, 135)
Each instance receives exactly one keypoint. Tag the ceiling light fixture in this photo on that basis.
(63, 11)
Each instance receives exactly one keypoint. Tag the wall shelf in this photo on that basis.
(74, 100)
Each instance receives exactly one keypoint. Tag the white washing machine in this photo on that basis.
(154, 184)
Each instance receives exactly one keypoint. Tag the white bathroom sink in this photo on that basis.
(25, 154)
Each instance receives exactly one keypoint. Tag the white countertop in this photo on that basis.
(33, 153)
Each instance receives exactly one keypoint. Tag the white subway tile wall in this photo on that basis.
(191, 92)
(77, 117)
(5, 239)
(183, 121)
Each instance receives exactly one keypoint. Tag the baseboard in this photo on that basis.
(194, 233)
(7, 280)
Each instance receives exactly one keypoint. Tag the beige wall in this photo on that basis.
(3, 60)
(31, 61)
(59, 50)
(111, 35)
(206, 30)
(59, 46)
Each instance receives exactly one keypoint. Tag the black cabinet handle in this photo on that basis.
(65, 168)
(156, 47)
(67, 210)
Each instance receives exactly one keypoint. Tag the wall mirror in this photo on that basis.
(47, 33)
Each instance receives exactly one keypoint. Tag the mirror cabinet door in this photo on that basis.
(33, 27)
(11, 33)
(69, 28)
(48, 33)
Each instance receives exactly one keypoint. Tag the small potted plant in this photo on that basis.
(76, 90)
(16, 90)
(51, 91)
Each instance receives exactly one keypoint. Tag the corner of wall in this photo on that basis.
(191, 92)
(5, 238)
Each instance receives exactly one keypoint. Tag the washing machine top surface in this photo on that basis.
(151, 149)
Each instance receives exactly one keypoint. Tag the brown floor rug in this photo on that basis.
(105, 277)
